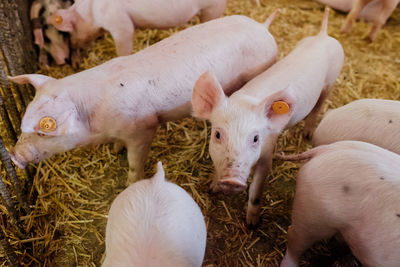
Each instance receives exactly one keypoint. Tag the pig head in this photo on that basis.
(58, 45)
(46, 36)
(79, 24)
(242, 129)
(52, 123)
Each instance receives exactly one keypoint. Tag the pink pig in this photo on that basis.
(126, 98)
(346, 6)
(86, 19)
(352, 188)
(155, 223)
(374, 121)
(245, 127)
(376, 11)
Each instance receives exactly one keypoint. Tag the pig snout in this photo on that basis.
(60, 53)
(231, 181)
(24, 153)
(18, 159)
(60, 61)
(232, 185)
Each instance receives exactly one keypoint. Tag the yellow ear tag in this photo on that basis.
(47, 124)
(280, 107)
(59, 20)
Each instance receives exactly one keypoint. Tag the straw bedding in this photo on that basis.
(75, 189)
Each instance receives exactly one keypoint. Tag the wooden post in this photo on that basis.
(17, 56)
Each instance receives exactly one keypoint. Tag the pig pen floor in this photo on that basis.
(75, 189)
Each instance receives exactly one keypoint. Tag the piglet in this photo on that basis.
(246, 125)
(86, 19)
(126, 98)
(352, 188)
(46, 37)
(155, 223)
(375, 11)
(374, 121)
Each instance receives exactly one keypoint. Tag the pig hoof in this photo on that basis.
(252, 221)
(345, 28)
(308, 133)
(134, 176)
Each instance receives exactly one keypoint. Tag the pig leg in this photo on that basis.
(75, 58)
(213, 11)
(261, 171)
(311, 120)
(122, 31)
(353, 15)
(43, 58)
(301, 236)
(380, 20)
(138, 148)
(308, 226)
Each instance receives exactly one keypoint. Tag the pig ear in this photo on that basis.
(63, 19)
(66, 123)
(278, 108)
(37, 80)
(207, 94)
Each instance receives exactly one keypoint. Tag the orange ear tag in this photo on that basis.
(280, 107)
(47, 124)
(59, 20)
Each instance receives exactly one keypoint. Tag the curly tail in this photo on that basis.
(307, 155)
(324, 26)
(272, 17)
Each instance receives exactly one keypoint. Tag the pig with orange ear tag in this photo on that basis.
(125, 99)
(246, 125)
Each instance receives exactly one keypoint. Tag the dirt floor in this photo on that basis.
(75, 189)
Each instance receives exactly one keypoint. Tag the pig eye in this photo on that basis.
(217, 135)
(255, 139)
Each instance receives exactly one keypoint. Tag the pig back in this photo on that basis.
(160, 78)
(155, 223)
(375, 121)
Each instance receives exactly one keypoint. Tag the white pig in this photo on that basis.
(86, 19)
(374, 121)
(352, 188)
(126, 98)
(245, 127)
(346, 5)
(375, 11)
(155, 223)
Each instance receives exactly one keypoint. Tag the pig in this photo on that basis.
(46, 37)
(375, 121)
(126, 98)
(85, 20)
(375, 11)
(346, 6)
(155, 223)
(246, 125)
(351, 188)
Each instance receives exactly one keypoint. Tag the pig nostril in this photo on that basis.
(231, 185)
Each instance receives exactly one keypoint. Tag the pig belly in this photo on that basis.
(161, 13)
(341, 5)
(368, 13)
